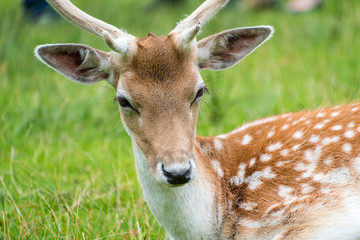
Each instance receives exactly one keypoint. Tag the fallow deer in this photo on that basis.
(292, 176)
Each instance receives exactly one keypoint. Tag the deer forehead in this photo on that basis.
(158, 73)
(157, 60)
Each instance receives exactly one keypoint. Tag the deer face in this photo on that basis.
(157, 80)
(158, 94)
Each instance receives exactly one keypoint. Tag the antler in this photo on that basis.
(118, 40)
(188, 28)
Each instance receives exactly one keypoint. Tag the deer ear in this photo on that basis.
(79, 63)
(225, 49)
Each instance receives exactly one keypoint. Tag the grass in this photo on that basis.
(66, 164)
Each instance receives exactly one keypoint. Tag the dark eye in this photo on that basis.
(123, 102)
(199, 94)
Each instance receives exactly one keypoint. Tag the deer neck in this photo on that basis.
(188, 211)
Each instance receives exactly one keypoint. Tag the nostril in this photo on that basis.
(177, 177)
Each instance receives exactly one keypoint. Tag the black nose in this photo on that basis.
(177, 178)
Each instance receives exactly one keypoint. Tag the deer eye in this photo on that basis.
(199, 94)
(124, 103)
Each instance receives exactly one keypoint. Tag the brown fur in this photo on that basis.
(162, 83)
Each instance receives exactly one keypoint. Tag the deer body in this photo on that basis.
(293, 176)
(266, 179)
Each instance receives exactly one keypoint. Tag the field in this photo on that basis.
(66, 164)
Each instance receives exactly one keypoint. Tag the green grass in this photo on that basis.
(66, 164)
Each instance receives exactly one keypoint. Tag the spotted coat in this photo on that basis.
(293, 170)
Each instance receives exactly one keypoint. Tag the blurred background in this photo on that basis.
(66, 164)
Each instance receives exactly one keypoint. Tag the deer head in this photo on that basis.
(157, 79)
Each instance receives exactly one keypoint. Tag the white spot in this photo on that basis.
(307, 122)
(358, 129)
(252, 162)
(279, 164)
(295, 122)
(270, 134)
(298, 134)
(314, 139)
(334, 114)
(218, 145)
(296, 147)
(326, 121)
(354, 109)
(306, 188)
(312, 157)
(284, 152)
(300, 166)
(320, 114)
(286, 126)
(274, 147)
(336, 128)
(285, 192)
(328, 161)
(351, 125)
(246, 140)
(319, 125)
(349, 134)
(347, 147)
(248, 205)
(255, 179)
(356, 164)
(265, 157)
(319, 177)
(222, 136)
(217, 168)
(329, 140)
(240, 177)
